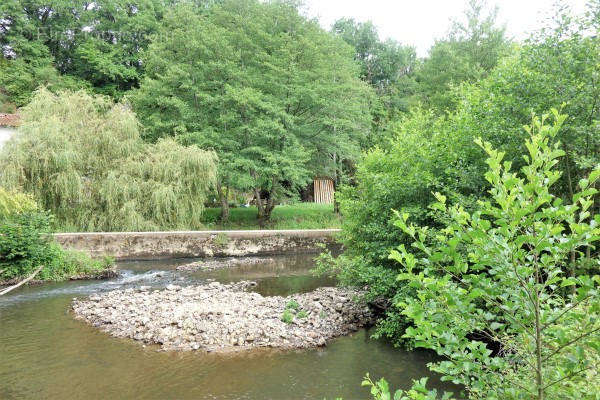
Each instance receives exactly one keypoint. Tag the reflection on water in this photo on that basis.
(45, 353)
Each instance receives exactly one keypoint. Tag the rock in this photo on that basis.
(218, 317)
(213, 264)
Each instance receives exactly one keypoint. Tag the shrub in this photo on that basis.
(26, 244)
(15, 203)
(292, 305)
(499, 294)
(425, 155)
(380, 390)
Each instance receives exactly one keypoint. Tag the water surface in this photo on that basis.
(46, 354)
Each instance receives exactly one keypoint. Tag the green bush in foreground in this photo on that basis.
(26, 244)
(499, 293)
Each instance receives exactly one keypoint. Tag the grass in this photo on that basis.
(287, 317)
(292, 305)
(295, 216)
(64, 265)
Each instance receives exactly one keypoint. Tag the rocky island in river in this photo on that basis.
(224, 317)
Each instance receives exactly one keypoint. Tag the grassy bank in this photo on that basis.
(65, 265)
(296, 216)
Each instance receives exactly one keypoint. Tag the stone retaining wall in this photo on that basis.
(152, 245)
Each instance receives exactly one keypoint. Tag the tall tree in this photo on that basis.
(271, 92)
(82, 158)
(73, 43)
(471, 50)
(383, 63)
(388, 66)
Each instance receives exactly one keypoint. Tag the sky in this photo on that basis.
(420, 22)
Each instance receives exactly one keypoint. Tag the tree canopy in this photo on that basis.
(277, 97)
(471, 50)
(82, 158)
(77, 44)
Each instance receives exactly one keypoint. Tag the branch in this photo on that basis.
(559, 316)
(567, 377)
(570, 342)
(24, 281)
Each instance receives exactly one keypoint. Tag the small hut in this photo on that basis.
(323, 191)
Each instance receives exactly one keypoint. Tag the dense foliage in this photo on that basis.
(388, 67)
(428, 153)
(277, 97)
(26, 244)
(500, 292)
(82, 158)
(12, 203)
(472, 49)
(69, 43)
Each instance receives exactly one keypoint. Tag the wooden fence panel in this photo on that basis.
(323, 191)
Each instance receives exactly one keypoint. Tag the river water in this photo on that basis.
(46, 354)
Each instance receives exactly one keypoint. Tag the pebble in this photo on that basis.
(223, 317)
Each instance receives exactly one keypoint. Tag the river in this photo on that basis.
(46, 354)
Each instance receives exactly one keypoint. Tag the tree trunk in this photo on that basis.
(260, 216)
(223, 198)
(265, 206)
(336, 184)
(269, 207)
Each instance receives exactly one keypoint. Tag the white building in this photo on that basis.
(8, 126)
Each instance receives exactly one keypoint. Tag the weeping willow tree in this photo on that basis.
(82, 158)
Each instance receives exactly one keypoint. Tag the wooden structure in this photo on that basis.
(323, 191)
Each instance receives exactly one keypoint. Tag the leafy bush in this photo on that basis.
(498, 291)
(26, 244)
(425, 155)
(12, 203)
(82, 158)
(380, 390)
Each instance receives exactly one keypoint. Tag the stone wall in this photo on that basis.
(152, 245)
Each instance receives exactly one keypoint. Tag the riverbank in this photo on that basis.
(66, 266)
(224, 317)
(107, 273)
